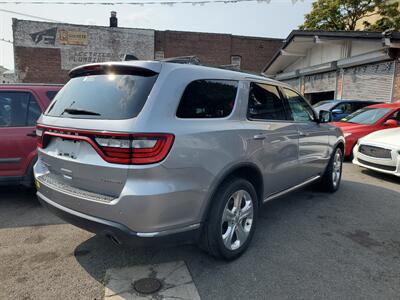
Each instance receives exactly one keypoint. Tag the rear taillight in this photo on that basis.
(136, 149)
(113, 142)
(39, 134)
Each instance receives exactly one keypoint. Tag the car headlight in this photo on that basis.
(347, 134)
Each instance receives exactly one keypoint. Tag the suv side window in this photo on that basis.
(34, 112)
(208, 99)
(346, 108)
(265, 103)
(301, 111)
(361, 105)
(18, 109)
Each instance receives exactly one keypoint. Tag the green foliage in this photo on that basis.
(344, 15)
(390, 18)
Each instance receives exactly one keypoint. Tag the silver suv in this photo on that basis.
(157, 152)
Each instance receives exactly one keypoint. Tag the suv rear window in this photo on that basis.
(104, 96)
(208, 99)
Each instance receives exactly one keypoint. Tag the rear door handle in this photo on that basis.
(32, 134)
(259, 137)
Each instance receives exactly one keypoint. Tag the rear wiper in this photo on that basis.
(77, 111)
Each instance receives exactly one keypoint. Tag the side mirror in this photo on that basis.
(390, 123)
(324, 116)
(337, 111)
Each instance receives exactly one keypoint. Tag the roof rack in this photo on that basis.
(189, 60)
(194, 60)
(231, 67)
(236, 68)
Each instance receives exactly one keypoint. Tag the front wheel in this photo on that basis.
(232, 219)
(333, 173)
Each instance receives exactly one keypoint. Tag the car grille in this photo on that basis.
(378, 166)
(375, 151)
(53, 181)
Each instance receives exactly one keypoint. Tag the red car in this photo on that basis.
(20, 107)
(367, 120)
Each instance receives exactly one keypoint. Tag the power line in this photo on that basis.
(26, 15)
(170, 3)
(132, 2)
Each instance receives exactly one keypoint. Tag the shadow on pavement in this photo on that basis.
(19, 207)
(381, 176)
(307, 245)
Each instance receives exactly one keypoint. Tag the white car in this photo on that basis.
(379, 151)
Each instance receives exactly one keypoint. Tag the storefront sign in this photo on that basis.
(67, 37)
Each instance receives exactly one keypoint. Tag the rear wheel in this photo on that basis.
(333, 173)
(29, 179)
(232, 219)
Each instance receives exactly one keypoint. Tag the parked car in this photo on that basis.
(367, 120)
(379, 151)
(20, 107)
(148, 152)
(342, 108)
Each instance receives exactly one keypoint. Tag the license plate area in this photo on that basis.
(67, 147)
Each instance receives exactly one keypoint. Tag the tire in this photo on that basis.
(228, 231)
(333, 174)
(29, 179)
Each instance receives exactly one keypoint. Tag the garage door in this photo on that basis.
(317, 83)
(294, 83)
(370, 82)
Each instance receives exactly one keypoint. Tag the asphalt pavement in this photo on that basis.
(308, 245)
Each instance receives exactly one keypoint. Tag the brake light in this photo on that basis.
(120, 148)
(92, 67)
(138, 149)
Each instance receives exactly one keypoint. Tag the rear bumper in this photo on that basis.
(119, 233)
(26, 180)
(152, 199)
(11, 180)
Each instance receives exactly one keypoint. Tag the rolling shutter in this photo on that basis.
(323, 82)
(294, 83)
(369, 82)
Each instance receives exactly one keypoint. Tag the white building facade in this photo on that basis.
(340, 65)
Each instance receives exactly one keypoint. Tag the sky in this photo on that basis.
(274, 19)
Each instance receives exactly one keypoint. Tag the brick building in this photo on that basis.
(45, 52)
(340, 65)
(250, 53)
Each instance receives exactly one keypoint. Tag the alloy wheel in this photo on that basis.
(337, 168)
(237, 219)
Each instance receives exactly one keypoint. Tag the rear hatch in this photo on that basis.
(86, 139)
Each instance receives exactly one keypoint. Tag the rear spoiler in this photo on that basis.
(101, 69)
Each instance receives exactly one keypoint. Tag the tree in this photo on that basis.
(344, 15)
(389, 18)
